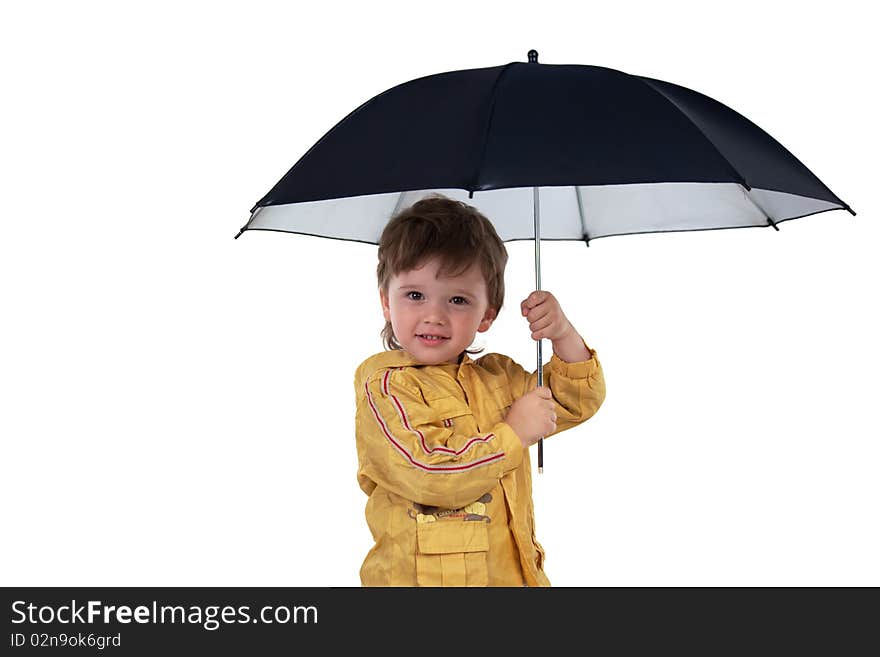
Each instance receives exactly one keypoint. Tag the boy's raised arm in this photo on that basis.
(404, 446)
(574, 374)
(578, 389)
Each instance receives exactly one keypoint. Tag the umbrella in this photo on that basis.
(546, 152)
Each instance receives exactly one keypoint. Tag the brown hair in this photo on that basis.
(457, 233)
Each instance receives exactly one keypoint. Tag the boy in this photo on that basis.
(442, 439)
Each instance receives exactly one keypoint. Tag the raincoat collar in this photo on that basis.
(400, 358)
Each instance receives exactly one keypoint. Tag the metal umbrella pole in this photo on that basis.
(538, 287)
(533, 59)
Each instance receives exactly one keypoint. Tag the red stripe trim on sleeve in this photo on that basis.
(430, 450)
(409, 457)
(405, 420)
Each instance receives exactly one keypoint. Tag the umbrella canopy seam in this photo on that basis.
(669, 100)
(492, 100)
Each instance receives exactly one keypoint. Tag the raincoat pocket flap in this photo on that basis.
(447, 537)
(451, 407)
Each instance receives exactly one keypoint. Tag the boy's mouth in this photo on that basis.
(427, 338)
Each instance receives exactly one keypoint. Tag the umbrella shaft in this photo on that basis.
(538, 287)
(537, 215)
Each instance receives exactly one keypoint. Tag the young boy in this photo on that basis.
(442, 439)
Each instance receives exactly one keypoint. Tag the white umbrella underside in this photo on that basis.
(567, 213)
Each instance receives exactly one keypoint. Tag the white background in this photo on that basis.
(177, 405)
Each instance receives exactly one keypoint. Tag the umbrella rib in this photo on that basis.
(770, 222)
(253, 216)
(397, 205)
(580, 200)
(488, 128)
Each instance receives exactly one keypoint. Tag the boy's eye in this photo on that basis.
(415, 296)
(459, 301)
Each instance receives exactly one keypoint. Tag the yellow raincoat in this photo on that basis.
(449, 483)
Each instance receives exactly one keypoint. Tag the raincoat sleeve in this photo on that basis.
(405, 447)
(578, 388)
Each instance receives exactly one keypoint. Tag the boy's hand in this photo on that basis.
(546, 319)
(533, 415)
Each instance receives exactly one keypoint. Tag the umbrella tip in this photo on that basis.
(533, 56)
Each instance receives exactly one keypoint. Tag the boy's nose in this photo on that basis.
(434, 316)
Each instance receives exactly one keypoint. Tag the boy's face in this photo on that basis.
(435, 319)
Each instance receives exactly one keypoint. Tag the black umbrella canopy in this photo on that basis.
(553, 152)
(611, 154)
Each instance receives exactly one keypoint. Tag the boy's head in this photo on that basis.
(441, 278)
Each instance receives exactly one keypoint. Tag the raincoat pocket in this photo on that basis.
(456, 414)
(452, 553)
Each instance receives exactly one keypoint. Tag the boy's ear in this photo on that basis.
(383, 299)
(487, 320)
